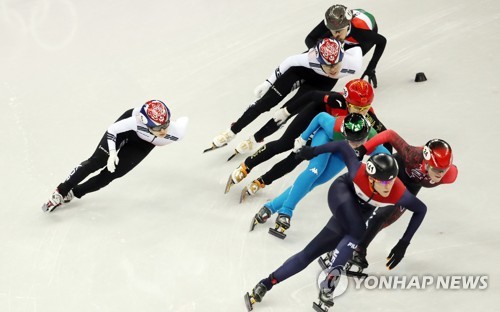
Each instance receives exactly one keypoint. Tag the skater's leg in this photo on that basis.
(305, 180)
(281, 88)
(281, 168)
(343, 204)
(130, 155)
(326, 240)
(334, 166)
(94, 163)
(285, 142)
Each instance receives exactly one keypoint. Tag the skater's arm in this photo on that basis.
(342, 147)
(375, 122)
(419, 209)
(319, 32)
(291, 61)
(369, 36)
(315, 99)
(351, 63)
(120, 126)
(379, 148)
(391, 137)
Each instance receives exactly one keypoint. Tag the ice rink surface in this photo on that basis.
(165, 237)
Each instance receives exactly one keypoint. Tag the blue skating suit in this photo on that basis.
(322, 168)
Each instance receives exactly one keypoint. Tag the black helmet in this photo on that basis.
(355, 127)
(382, 167)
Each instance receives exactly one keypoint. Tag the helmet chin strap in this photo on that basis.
(425, 169)
(372, 186)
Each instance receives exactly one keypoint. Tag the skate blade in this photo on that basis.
(232, 156)
(213, 147)
(319, 307)
(46, 208)
(323, 264)
(248, 302)
(276, 233)
(356, 274)
(254, 224)
(244, 194)
(228, 184)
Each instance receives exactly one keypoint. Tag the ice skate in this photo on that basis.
(244, 147)
(325, 300)
(282, 224)
(325, 261)
(55, 201)
(257, 294)
(238, 174)
(260, 217)
(358, 260)
(221, 140)
(69, 197)
(250, 190)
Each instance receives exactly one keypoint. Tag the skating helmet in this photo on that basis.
(337, 17)
(382, 167)
(355, 127)
(154, 113)
(359, 92)
(329, 51)
(438, 154)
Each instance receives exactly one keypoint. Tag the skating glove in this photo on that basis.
(396, 255)
(372, 78)
(298, 144)
(360, 152)
(281, 115)
(262, 88)
(112, 161)
(306, 152)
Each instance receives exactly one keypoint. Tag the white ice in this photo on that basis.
(165, 237)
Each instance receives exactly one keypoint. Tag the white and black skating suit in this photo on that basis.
(132, 140)
(301, 71)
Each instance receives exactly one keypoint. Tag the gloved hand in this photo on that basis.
(281, 115)
(396, 255)
(306, 152)
(112, 161)
(372, 78)
(360, 152)
(299, 142)
(261, 89)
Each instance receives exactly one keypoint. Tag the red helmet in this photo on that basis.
(358, 92)
(438, 154)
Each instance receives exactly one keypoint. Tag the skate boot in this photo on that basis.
(69, 197)
(246, 146)
(223, 138)
(258, 293)
(55, 201)
(261, 217)
(325, 261)
(325, 300)
(238, 174)
(359, 260)
(253, 188)
(282, 224)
